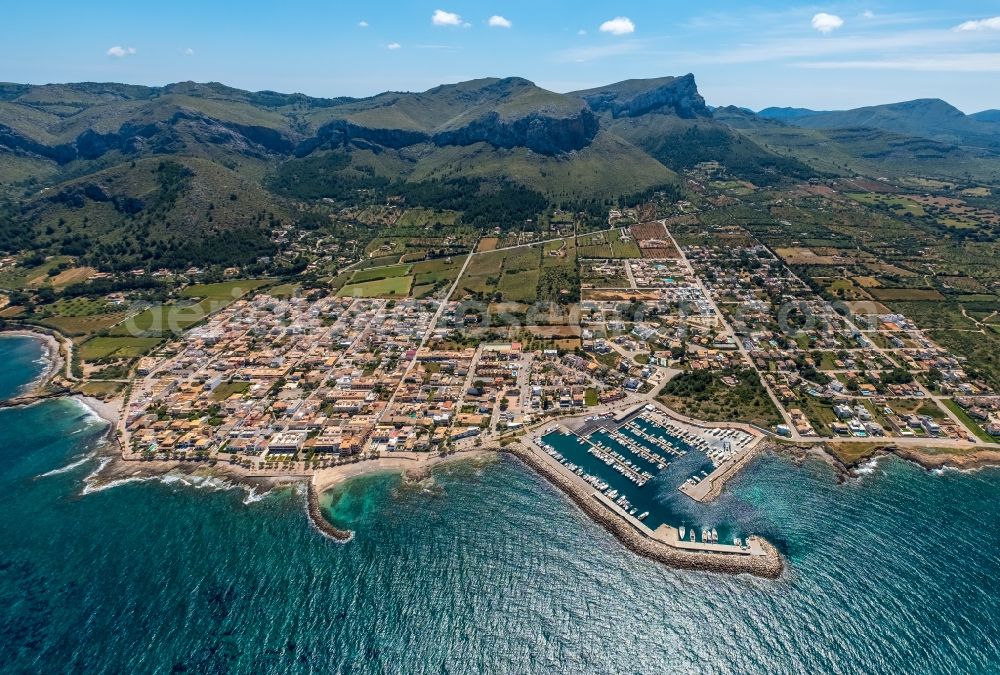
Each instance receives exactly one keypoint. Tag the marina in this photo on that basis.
(635, 463)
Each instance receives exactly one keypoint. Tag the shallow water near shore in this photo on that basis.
(484, 567)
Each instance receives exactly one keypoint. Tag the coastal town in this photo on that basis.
(635, 361)
(305, 383)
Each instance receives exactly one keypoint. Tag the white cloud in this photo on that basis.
(362, 24)
(992, 23)
(498, 21)
(868, 14)
(188, 52)
(938, 63)
(581, 32)
(393, 46)
(826, 23)
(121, 52)
(443, 18)
(620, 25)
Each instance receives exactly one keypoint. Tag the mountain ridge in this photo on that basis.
(66, 151)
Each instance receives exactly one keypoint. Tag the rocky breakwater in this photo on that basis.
(321, 523)
(768, 565)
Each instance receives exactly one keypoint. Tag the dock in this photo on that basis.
(711, 485)
(668, 535)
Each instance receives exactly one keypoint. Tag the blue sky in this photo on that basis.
(754, 54)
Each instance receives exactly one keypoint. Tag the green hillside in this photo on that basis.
(121, 176)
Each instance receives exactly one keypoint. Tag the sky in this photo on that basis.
(754, 54)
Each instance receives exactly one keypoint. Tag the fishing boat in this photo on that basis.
(643, 515)
(682, 530)
(715, 535)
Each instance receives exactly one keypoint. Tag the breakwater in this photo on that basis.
(768, 565)
(318, 521)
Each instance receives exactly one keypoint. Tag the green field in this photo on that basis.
(179, 316)
(283, 291)
(116, 347)
(376, 273)
(898, 205)
(594, 245)
(75, 326)
(225, 291)
(380, 288)
(430, 276)
(513, 273)
(621, 248)
(227, 389)
(607, 244)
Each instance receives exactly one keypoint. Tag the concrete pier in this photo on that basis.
(710, 487)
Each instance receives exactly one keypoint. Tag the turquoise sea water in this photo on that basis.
(485, 568)
(20, 363)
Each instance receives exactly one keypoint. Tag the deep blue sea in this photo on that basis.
(484, 569)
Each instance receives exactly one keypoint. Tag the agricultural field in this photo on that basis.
(653, 241)
(199, 301)
(544, 272)
(432, 276)
(99, 348)
(799, 255)
(594, 245)
(80, 326)
(614, 243)
(283, 291)
(888, 294)
(379, 288)
(376, 273)
(225, 291)
(412, 244)
(17, 277)
(509, 275)
(897, 204)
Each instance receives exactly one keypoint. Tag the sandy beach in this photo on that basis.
(413, 464)
(109, 411)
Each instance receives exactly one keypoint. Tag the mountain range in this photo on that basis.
(86, 162)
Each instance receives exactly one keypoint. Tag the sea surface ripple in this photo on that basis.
(485, 568)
